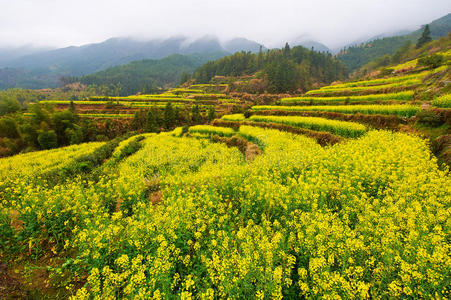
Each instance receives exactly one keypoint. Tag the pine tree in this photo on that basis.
(425, 37)
(195, 115)
(72, 106)
(151, 122)
(286, 50)
(169, 116)
(211, 113)
(184, 78)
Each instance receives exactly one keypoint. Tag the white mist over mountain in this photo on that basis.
(330, 22)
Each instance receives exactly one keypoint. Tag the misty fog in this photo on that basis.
(60, 23)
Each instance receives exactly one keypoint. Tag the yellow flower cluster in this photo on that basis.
(189, 218)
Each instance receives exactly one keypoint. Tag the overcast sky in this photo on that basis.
(333, 22)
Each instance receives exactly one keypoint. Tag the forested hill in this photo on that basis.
(146, 75)
(283, 70)
(356, 56)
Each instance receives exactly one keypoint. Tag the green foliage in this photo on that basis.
(169, 116)
(398, 55)
(151, 121)
(146, 75)
(431, 61)
(48, 139)
(284, 69)
(386, 71)
(8, 105)
(211, 114)
(195, 114)
(282, 76)
(8, 128)
(358, 56)
(442, 101)
(429, 117)
(425, 37)
(74, 134)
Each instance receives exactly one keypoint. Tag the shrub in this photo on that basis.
(47, 139)
(429, 117)
(386, 71)
(432, 61)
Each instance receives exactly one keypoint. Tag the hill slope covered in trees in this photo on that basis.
(357, 56)
(146, 75)
(283, 70)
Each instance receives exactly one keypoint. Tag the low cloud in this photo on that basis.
(335, 23)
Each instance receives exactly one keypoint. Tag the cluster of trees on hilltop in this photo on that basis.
(284, 70)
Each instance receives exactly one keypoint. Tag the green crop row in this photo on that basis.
(208, 129)
(161, 103)
(136, 97)
(107, 115)
(334, 89)
(377, 82)
(400, 110)
(346, 129)
(233, 117)
(407, 95)
(186, 91)
(204, 85)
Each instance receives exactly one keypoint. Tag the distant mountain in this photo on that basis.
(356, 56)
(86, 59)
(242, 44)
(308, 42)
(8, 54)
(146, 75)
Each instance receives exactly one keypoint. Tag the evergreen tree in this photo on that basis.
(169, 116)
(286, 50)
(151, 122)
(72, 107)
(397, 57)
(282, 76)
(139, 120)
(211, 113)
(195, 115)
(184, 78)
(47, 139)
(260, 58)
(425, 37)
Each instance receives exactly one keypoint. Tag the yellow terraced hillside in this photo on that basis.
(178, 216)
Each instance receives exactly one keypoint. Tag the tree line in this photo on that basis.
(284, 70)
(41, 126)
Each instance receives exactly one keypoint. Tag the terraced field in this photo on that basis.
(330, 99)
(399, 110)
(302, 198)
(180, 217)
(203, 95)
(349, 103)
